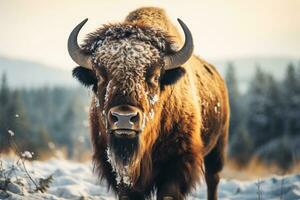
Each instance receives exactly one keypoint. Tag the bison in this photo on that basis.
(159, 114)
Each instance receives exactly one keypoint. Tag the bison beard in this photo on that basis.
(123, 147)
(175, 101)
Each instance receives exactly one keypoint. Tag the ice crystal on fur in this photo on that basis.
(151, 114)
(216, 109)
(107, 91)
(127, 61)
(121, 171)
(145, 118)
(153, 99)
(97, 102)
(120, 31)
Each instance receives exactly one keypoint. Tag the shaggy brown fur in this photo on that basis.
(190, 122)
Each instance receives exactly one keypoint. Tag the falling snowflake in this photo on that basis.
(11, 133)
(81, 139)
(85, 123)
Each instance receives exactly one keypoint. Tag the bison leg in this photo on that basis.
(214, 163)
(131, 196)
(125, 194)
(168, 191)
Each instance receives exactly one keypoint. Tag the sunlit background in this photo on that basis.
(254, 44)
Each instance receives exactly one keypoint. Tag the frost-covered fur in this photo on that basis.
(129, 30)
(127, 61)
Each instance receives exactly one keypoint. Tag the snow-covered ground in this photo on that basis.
(73, 180)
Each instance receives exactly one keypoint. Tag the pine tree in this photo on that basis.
(4, 91)
(12, 117)
(18, 121)
(274, 108)
(257, 119)
(291, 92)
(240, 142)
(4, 100)
(70, 126)
(234, 100)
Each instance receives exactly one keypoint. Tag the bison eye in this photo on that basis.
(155, 80)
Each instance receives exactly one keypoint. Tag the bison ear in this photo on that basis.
(85, 76)
(172, 76)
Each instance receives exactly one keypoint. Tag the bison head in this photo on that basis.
(128, 66)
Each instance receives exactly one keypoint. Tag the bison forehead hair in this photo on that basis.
(126, 51)
(155, 37)
(126, 60)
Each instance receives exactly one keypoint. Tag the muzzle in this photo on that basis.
(125, 121)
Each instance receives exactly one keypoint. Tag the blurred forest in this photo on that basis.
(44, 120)
(264, 119)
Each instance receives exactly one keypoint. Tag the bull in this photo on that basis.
(159, 114)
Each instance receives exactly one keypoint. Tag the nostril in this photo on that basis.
(135, 119)
(113, 118)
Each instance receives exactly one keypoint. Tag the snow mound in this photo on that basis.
(73, 180)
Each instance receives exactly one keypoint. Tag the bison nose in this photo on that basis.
(124, 118)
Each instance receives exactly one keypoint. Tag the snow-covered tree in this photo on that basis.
(274, 109)
(291, 100)
(257, 117)
(12, 117)
(234, 100)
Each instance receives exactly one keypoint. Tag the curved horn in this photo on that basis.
(181, 56)
(74, 49)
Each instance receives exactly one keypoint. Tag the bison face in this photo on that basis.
(128, 75)
(128, 79)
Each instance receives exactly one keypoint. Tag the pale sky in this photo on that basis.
(223, 29)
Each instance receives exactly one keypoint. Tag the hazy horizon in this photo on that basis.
(38, 30)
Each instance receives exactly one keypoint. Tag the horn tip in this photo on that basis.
(84, 21)
(181, 22)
